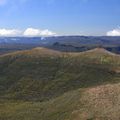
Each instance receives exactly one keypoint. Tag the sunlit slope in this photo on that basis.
(42, 74)
(96, 103)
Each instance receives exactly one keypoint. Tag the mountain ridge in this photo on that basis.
(45, 50)
(46, 84)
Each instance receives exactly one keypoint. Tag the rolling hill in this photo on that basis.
(44, 84)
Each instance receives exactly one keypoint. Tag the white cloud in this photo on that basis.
(29, 32)
(38, 32)
(114, 32)
(9, 32)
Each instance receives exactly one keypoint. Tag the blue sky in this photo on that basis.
(61, 17)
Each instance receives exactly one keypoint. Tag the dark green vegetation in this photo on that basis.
(43, 84)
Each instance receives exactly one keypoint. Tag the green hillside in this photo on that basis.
(43, 84)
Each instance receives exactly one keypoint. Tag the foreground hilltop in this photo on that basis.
(43, 84)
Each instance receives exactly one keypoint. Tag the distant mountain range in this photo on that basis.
(74, 40)
(60, 43)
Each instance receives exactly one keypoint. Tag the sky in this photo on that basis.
(59, 17)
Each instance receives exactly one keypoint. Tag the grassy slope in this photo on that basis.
(41, 75)
(98, 103)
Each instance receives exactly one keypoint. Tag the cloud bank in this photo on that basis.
(38, 32)
(114, 32)
(9, 32)
(29, 32)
